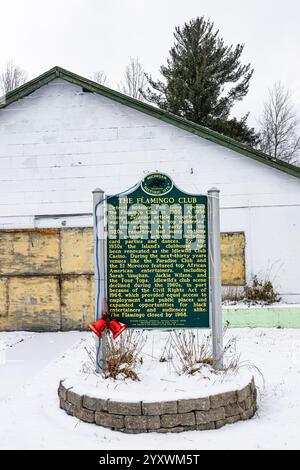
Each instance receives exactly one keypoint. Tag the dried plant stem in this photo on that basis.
(123, 355)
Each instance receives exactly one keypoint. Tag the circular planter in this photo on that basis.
(203, 413)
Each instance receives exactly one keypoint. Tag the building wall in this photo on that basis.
(60, 143)
(46, 277)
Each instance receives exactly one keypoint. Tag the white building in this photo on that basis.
(61, 136)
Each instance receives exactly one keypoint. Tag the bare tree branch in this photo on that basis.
(279, 126)
(134, 82)
(100, 77)
(12, 77)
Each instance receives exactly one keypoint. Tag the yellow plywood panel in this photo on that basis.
(77, 302)
(42, 300)
(34, 303)
(233, 258)
(77, 251)
(3, 297)
(29, 252)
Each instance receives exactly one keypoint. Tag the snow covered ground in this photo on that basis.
(157, 380)
(33, 363)
(8, 340)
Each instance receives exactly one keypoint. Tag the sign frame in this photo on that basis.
(187, 316)
(213, 258)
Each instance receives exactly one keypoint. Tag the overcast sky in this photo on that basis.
(88, 35)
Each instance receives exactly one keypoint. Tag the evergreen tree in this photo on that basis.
(197, 80)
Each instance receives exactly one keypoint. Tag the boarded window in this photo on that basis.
(233, 258)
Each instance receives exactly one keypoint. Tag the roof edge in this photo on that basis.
(189, 126)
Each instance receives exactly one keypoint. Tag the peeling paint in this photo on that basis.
(77, 302)
(4, 298)
(233, 259)
(34, 303)
(29, 252)
(77, 251)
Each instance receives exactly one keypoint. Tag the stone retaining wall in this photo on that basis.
(167, 416)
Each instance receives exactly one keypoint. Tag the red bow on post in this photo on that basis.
(114, 326)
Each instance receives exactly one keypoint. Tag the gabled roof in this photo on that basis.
(201, 131)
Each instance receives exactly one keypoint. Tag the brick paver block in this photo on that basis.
(194, 404)
(159, 408)
(222, 399)
(180, 419)
(109, 420)
(142, 422)
(204, 417)
(124, 408)
(94, 404)
(74, 398)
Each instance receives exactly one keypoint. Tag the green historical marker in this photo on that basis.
(157, 256)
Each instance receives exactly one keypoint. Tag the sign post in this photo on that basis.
(215, 276)
(100, 274)
(160, 265)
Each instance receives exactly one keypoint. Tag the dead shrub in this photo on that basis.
(189, 351)
(166, 354)
(261, 291)
(232, 294)
(124, 355)
(255, 292)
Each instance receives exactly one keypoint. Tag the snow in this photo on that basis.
(8, 340)
(231, 304)
(30, 417)
(164, 384)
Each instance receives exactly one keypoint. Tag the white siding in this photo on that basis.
(59, 143)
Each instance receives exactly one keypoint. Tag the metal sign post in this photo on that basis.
(100, 275)
(215, 276)
(179, 282)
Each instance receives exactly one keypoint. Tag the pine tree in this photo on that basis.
(198, 77)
